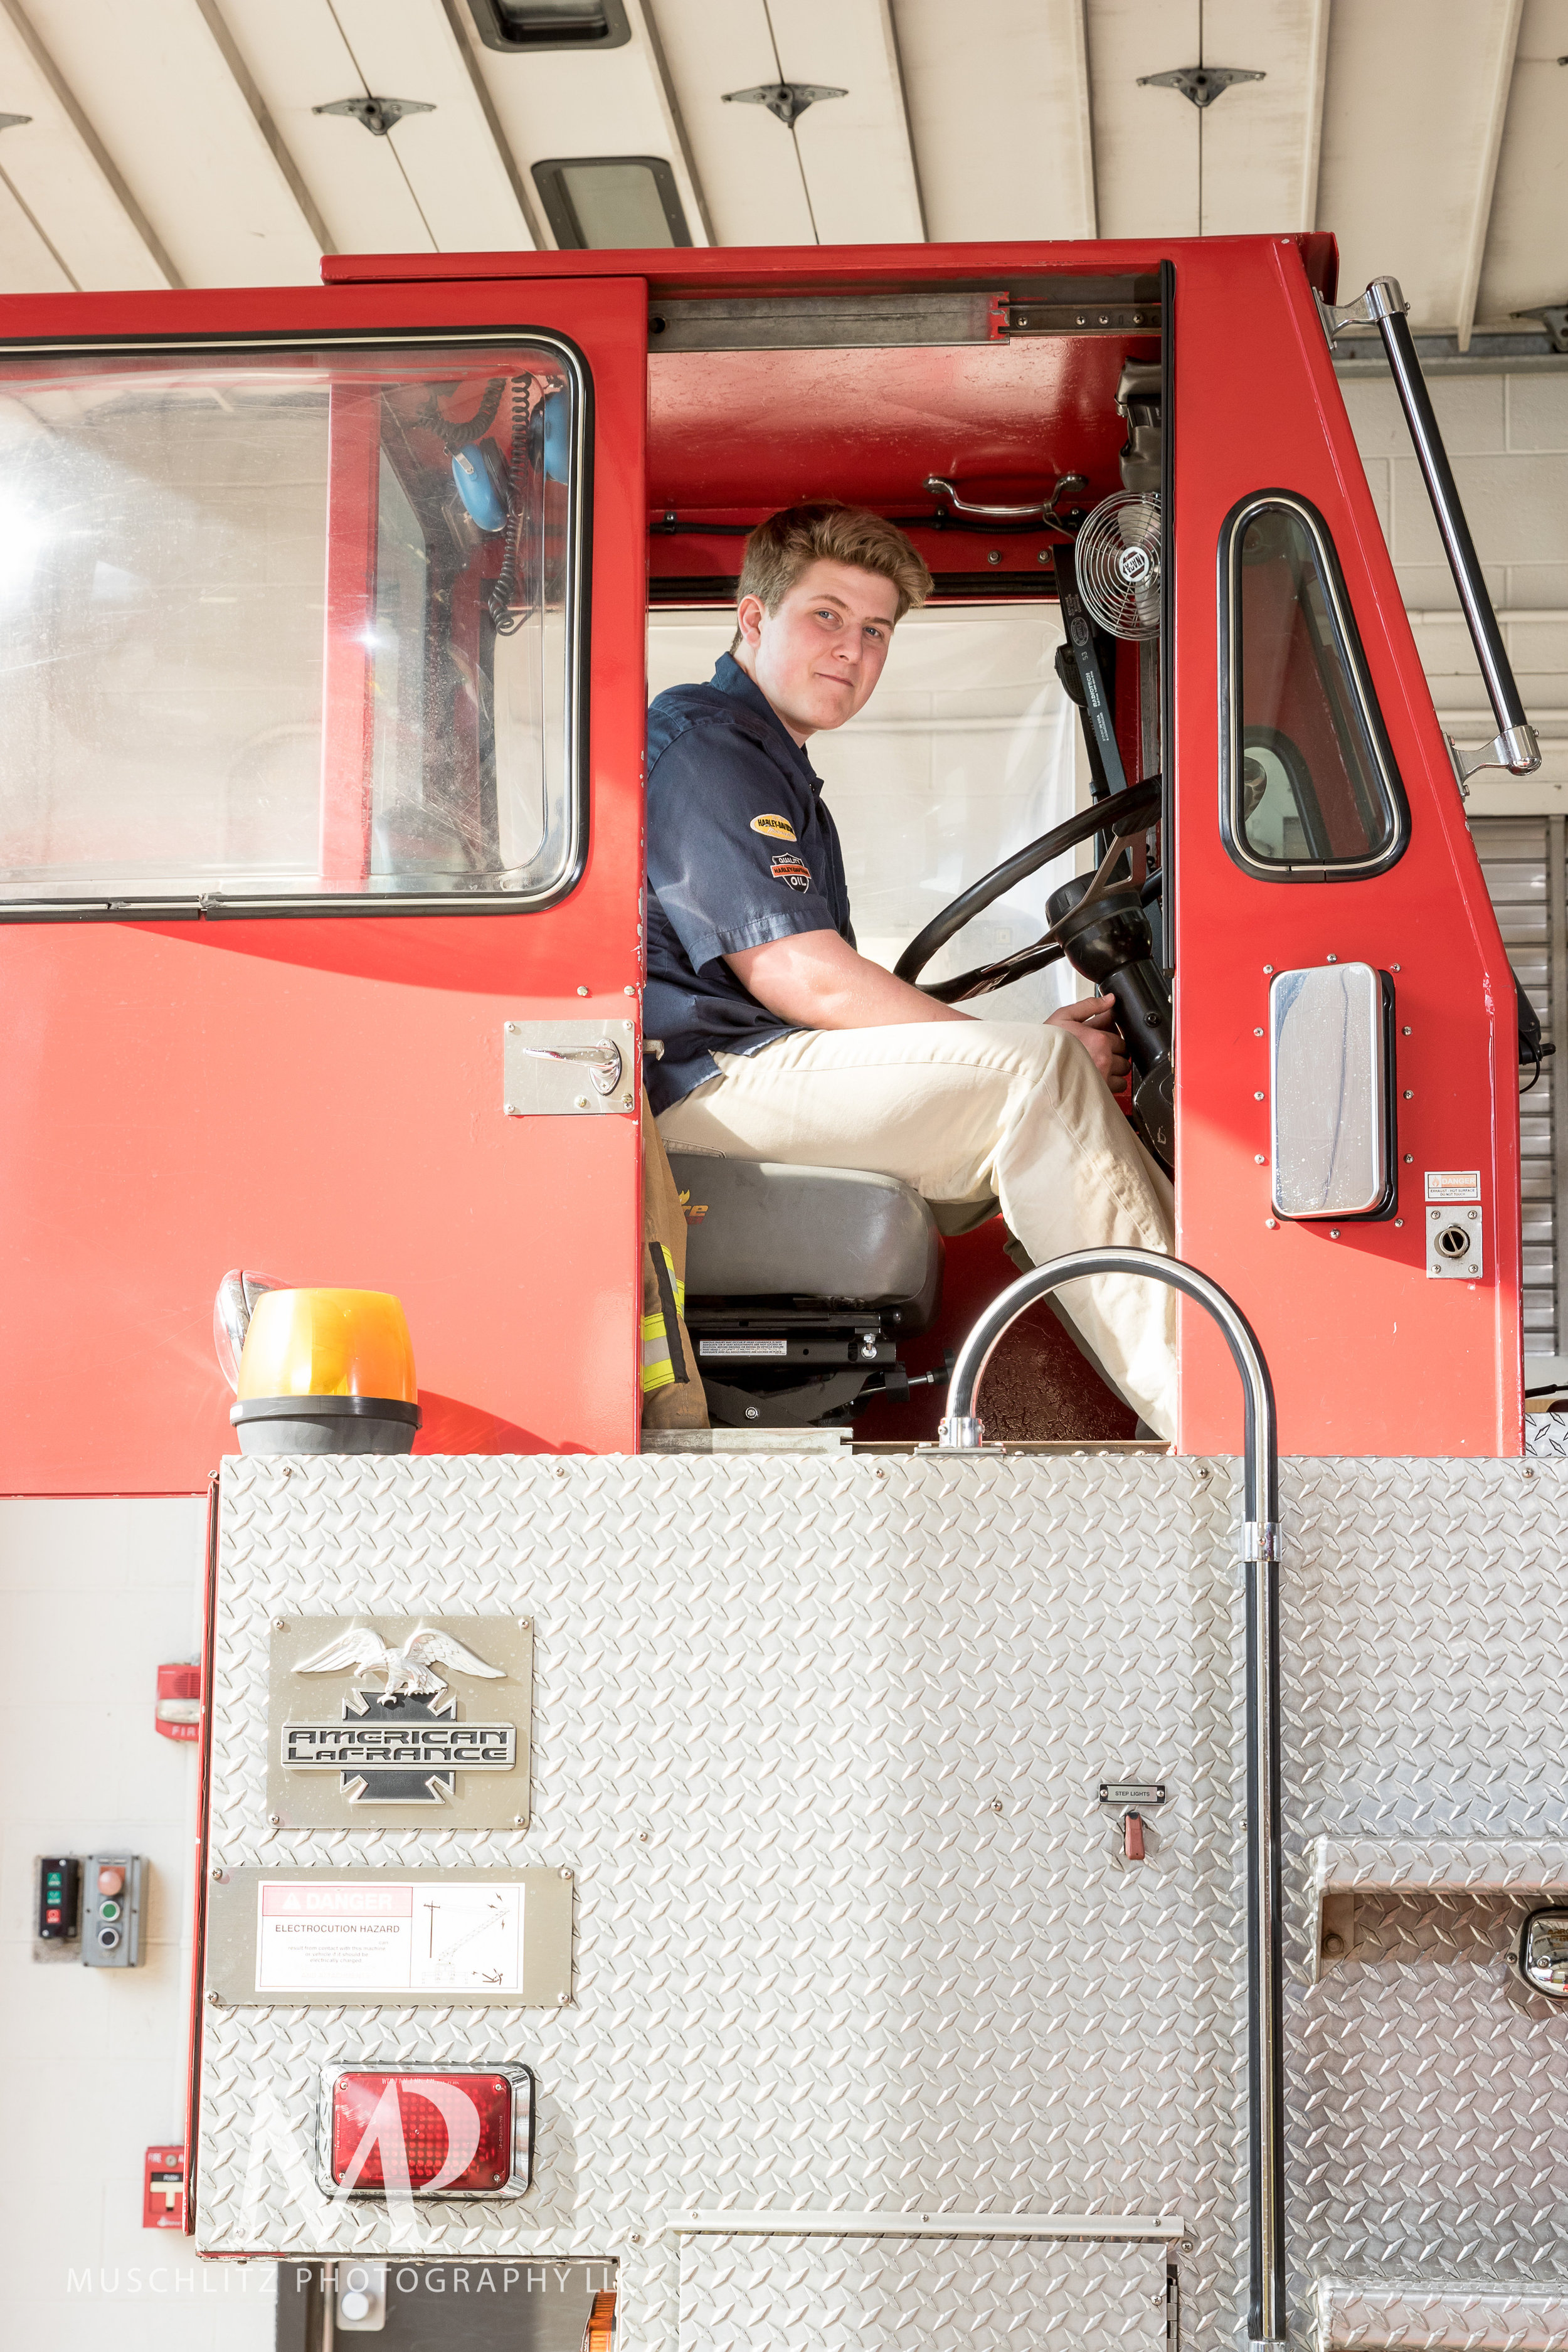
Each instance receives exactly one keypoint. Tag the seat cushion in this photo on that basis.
(759, 1230)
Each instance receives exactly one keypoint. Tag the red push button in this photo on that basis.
(110, 1879)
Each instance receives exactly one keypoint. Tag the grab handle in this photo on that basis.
(1384, 306)
(962, 1431)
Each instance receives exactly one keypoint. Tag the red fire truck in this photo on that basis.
(329, 617)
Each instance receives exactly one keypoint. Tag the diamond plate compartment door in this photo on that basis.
(819, 1741)
(887, 2294)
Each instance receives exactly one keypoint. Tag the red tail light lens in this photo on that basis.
(423, 2134)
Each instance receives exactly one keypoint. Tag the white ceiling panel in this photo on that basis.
(156, 88)
(52, 169)
(28, 263)
(298, 58)
(1002, 150)
(558, 103)
(1413, 107)
(747, 162)
(1259, 139)
(1146, 150)
(407, 49)
(1526, 260)
(855, 150)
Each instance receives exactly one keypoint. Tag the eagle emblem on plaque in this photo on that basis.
(403, 1736)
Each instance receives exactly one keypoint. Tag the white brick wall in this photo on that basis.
(1508, 438)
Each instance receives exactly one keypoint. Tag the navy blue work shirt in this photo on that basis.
(741, 850)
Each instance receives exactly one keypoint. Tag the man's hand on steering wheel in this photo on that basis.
(1093, 1023)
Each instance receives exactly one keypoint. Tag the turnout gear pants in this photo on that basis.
(672, 1394)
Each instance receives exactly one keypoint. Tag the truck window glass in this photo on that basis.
(1310, 789)
(289, 630)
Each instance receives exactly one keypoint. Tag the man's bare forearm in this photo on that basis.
(816, 981)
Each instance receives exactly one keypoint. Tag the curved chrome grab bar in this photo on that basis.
(962, 1431)
(1037, 511)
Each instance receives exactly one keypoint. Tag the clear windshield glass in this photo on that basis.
(968, 749)
(286, 625)
(1310, 789)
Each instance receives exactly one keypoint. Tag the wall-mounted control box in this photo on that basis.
(111, 1910)
(58, 1917)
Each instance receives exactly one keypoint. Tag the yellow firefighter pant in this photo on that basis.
(968, 1113)
(672, 1394)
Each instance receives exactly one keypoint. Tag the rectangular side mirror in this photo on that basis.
(1332, 1092)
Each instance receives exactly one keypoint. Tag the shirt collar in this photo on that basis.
(731, 679)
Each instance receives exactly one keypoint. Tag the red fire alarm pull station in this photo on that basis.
(163, 2189)
(178, 1713)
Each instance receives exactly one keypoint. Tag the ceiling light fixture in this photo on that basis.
(1201, 84)
(593, 202)
(377, 114)
(786, 99)
(551, 24)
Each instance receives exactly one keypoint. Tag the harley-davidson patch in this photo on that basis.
(778, 828)
(793, 870)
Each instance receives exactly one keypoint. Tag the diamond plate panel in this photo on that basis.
(779, 1702)
(1353, 2319)
(820, 1739)
(877, 2294)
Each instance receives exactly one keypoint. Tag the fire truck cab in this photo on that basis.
(333, 612)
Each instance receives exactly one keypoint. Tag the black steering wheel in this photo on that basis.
(1124, 815)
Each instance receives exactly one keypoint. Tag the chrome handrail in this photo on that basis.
(1384, 306)
(964, 1432)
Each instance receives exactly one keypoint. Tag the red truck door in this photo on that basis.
(1363, 859)
(322, 692)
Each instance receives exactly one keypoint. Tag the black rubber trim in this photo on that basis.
(325, 1407)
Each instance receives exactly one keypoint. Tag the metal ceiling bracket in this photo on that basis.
(377, 114)
(1201, 84)
(786, 99)
(1553, 316)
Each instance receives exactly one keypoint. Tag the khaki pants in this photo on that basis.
(988, 1110)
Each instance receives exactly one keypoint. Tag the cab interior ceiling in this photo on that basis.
(999, 391)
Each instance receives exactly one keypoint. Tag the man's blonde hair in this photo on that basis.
(792, 541)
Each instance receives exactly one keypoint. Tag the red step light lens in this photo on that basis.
(419, 2134)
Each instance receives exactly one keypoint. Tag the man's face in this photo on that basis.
(819, 657)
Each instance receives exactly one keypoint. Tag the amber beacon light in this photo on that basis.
(325, 1371)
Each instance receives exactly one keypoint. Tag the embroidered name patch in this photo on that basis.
(777, 828)
(793, 870)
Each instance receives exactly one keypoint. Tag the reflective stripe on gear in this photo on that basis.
(658, 1358)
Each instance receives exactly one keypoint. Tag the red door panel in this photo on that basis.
(1369, 1356)
(321, 1098)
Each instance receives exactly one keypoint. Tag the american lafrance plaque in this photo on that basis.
(399, 1720)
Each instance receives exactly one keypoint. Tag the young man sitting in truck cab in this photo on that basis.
(781, 1042)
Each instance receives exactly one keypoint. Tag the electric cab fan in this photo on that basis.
(1116, 556)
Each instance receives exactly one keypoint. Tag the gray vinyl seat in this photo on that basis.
(758, 1230)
